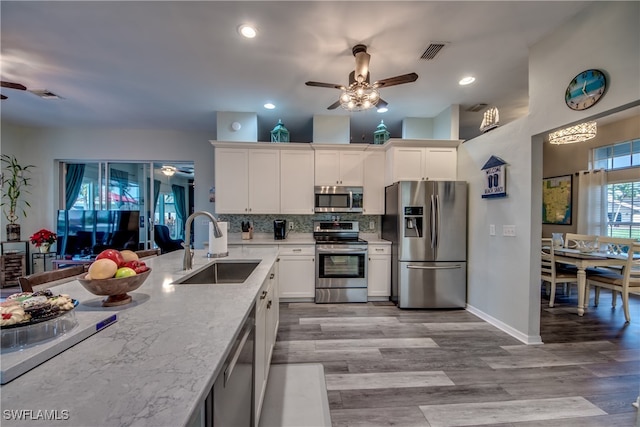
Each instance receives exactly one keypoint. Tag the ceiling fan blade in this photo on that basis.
(11, 85)
(329, 85)
(397, 80)
(362, 61)
(334, 105)
(2, 96)
(381, 103)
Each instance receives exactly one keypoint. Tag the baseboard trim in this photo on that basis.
(526, 339)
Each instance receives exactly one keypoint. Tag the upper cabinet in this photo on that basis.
(437, 161)
(338, 167)
(247, 181)
(296, 182)
(373, 197)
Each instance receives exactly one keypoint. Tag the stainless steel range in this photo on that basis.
(341, 262)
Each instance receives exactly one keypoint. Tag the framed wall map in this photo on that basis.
(556, 200)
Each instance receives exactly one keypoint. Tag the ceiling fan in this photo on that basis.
(360, 94)
(11, 85)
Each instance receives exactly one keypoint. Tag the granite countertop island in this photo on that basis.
(155, 365)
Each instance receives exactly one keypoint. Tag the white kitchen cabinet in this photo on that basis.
(379, 272)
(296, 182)
(421, 164)
(267, 321)
(247, 181)
(335, 167)
(297, 272)
(373, 197)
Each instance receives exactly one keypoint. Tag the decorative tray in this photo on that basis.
(21, 335)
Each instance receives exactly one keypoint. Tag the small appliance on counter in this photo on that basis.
(279, 229)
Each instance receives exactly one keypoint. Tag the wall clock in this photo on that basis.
(585, 89)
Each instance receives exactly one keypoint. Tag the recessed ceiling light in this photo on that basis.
(383, 110)
(466, 80)
(247, 31)
(269, 106)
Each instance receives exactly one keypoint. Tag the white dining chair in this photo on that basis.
(549, 271)
(624, 280)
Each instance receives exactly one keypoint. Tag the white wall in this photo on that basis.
(446, 125)
(248, 122)
(42, 147)
(504, 276)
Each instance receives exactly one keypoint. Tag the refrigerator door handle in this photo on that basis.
(437, 226)
(444, 267)
(432, 222)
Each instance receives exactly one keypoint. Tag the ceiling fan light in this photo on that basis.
(168, 170)
(374, 95)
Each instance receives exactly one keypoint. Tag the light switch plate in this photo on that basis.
(492, 229)
(372, 225)
(509, 230)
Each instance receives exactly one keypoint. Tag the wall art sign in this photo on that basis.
(495, 182)
(556, 200)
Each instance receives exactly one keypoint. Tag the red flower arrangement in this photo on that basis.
(42, 237)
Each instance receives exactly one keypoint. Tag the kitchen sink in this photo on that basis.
(220, 272)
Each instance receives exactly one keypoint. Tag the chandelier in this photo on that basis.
(168, 170)
(577, 133)
(359, 96)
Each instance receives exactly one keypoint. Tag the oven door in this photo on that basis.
(338, 266)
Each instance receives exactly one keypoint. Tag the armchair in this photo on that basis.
(163, 239)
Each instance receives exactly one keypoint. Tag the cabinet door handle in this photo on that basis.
(272, 276)
(297, 250)
(269, 304)
(379, 249)
(264, 295)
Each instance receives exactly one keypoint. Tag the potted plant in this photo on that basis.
(43, 239)
(15, 182)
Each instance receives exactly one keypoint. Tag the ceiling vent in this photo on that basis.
(45, 94)
(432, 50)
(477, 107)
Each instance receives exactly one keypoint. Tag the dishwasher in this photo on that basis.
(232, 402)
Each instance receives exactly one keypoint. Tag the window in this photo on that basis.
(617, 156)
(623, 196)
(623, 210)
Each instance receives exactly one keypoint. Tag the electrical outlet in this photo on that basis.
(290, 225)
(492, 229)
(372, 225)
(509, 230)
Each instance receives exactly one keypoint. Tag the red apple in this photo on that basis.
(112, 254)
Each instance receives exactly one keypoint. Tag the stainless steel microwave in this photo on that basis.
(338, 199)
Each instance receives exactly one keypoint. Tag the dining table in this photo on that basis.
(583, 260)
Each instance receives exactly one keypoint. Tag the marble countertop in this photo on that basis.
(153, 366)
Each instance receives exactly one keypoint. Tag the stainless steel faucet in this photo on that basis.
(187, 263)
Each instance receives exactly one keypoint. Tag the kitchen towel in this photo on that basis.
(219, 245)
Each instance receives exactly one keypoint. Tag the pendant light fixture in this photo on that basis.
(578, 133)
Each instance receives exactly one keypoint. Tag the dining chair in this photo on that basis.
(146, 253)
(549, 271)
(577, 241)
(48, 279)
(625, 280)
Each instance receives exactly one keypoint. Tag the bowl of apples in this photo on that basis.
(113, 274)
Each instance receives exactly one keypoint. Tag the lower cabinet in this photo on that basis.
(379, 272)
(267, 321)
(297, 271)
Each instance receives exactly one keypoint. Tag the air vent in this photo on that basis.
(477, 107)
(432, 50)
(45, 94)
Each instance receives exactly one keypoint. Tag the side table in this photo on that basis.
(42, 261)
(13, 260)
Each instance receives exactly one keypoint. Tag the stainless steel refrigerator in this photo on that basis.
(426, 222)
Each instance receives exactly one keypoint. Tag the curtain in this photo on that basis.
(592, 196)
(73, 183)
(156, 193)
(180, 204)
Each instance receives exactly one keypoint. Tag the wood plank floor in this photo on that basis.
(391, 367)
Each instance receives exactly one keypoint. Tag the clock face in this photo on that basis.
(585, 89)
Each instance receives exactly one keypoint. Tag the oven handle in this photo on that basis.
(341, 251)
(421, 267)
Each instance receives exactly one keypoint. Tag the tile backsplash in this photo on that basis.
(301, 223)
